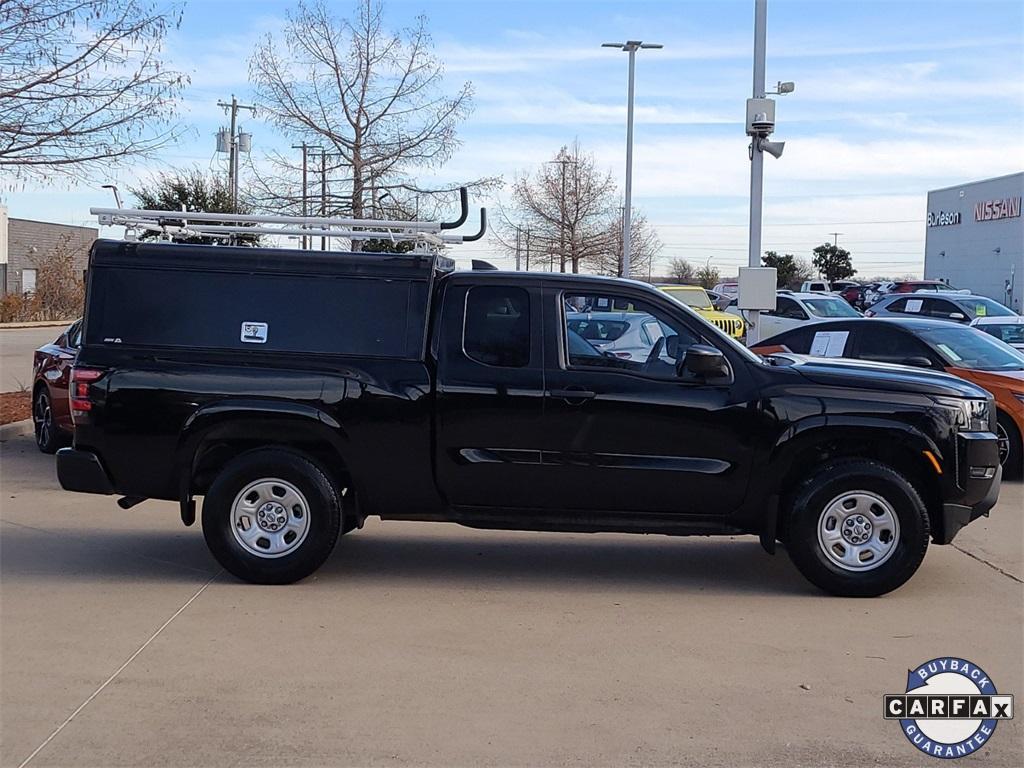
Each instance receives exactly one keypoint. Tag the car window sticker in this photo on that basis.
(913, 305)
(980, 310)
(829, 343)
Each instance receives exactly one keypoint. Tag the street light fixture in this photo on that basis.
(630, 47)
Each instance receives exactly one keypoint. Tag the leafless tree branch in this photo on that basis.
(82, 86)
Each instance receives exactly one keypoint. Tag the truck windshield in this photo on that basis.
(963, 347)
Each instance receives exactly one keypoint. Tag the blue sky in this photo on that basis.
(892, 99)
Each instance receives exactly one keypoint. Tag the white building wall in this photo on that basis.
(978, 248)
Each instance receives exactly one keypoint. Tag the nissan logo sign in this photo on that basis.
(989, 210)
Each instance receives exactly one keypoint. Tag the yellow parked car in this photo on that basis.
(697, 299)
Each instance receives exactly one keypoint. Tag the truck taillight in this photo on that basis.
(78, 392)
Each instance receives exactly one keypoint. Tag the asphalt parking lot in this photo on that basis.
(16, 347)
(123, 644)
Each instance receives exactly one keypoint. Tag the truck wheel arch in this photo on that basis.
(218, 432)
(900, 447)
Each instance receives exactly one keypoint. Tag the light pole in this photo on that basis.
(631, 47)
(760, 125)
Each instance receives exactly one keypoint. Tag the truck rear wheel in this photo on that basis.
(857, 528)
(271, 517)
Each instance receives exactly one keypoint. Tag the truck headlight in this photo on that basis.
(972, 415)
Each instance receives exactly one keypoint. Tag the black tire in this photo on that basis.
(873, 481)
(320, 505)
(1013, 464)
(48, 438)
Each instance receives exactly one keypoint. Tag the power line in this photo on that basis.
(797, 224)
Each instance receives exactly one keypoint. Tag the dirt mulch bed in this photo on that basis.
(15, 406)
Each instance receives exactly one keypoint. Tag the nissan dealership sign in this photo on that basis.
(990, 210)
(943, 218)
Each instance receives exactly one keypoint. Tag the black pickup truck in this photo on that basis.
(299, 392)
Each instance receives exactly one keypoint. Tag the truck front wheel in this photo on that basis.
(271, 517)
(857, 528)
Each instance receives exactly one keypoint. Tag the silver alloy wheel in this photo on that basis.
(270, 517)
(1004, 443)
(43, 416)
(858, 531)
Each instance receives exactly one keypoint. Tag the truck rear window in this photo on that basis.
(497, 326)
(271, 312)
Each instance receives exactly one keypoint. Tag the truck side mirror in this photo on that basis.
(705, 362)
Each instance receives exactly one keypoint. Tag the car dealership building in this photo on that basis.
(975, 238)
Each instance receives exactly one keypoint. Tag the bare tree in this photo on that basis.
(373, 99)
(82, 86)
(567, 205)
(644, 247)
(680, 269)
(708, 276)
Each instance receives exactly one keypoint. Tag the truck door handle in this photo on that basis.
(573, 395)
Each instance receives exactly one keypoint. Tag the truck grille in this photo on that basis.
(732, 326)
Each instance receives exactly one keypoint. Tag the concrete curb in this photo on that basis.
(15, 429)
(36, 324)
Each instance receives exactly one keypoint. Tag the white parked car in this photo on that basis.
(1009, 330)
(627, 335)
(815, 286)
(729, 288)
(794, 309)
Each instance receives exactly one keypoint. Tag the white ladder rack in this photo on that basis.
(427, 235)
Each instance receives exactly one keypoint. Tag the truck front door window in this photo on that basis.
(636, 337)
(497, 327)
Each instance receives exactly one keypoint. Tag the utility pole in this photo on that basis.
(835, 236)
(323, 194)
(233, 152)
(517, 248)
(562, 223)
(622, 242)
(305, 192)
(527, 249)
(631, 47)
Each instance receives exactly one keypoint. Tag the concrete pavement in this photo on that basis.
(16, 347)
(420, 644)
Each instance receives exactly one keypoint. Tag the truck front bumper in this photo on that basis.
(82, 471)
(973, 493)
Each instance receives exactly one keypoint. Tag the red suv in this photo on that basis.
(909, 286)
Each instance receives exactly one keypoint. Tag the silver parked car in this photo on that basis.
(1009, 330)
(627, 335)
(957, 307)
